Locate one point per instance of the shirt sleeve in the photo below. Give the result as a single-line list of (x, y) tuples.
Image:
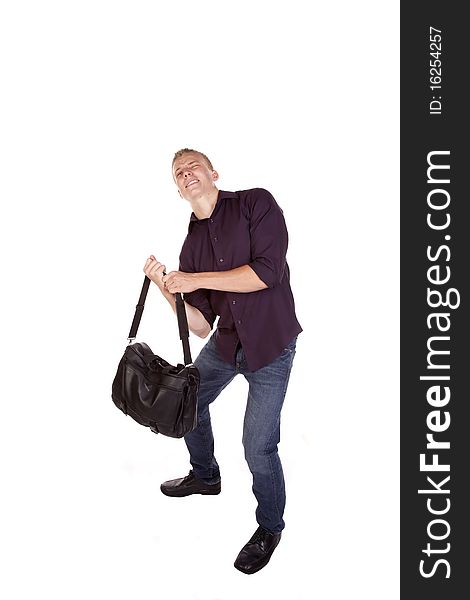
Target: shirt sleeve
[(269, 238), (199, 298)]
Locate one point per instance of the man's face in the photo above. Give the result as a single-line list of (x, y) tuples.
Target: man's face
[(193, 177)]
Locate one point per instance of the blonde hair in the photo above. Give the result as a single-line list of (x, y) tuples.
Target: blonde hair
[(184, 151)]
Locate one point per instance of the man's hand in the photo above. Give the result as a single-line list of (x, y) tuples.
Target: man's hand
[(154, 271), (177, 281)]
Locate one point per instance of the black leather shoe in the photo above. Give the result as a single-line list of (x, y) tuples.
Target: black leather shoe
[(189, 485), (256, 553)]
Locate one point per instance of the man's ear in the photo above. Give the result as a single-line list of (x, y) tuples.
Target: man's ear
[(215, 176)]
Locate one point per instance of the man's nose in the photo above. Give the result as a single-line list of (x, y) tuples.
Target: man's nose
[(187, 172)]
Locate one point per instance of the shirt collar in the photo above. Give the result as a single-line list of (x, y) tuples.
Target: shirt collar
[(222, 195)]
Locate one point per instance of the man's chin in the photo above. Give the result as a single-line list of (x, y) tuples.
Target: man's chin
[(193, 193)]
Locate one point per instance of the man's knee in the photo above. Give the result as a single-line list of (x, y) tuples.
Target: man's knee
[(257, 454)]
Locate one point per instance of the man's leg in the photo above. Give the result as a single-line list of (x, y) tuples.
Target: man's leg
[(205, 476), (215, 376), (261, 434)]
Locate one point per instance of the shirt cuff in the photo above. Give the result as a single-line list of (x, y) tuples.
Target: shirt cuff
[(266, 273), (199, 301)]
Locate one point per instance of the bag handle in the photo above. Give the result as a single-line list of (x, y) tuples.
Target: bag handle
[(180, 315)]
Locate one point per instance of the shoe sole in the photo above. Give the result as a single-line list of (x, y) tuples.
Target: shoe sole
[(180, 494), (255, 569)]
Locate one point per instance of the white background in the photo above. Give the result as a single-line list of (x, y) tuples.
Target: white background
[(298, 97)]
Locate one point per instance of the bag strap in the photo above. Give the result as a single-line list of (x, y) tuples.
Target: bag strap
[(183, 328), (139, 309), (180, 315)]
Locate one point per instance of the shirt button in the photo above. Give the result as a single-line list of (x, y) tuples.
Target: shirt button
[(215, 239), (238, 322), (221, 260), (234, 301), (211, 220)]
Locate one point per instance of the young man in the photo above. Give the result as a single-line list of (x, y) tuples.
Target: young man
[(233, 265)]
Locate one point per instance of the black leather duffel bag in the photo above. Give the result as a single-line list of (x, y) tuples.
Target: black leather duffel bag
[(150, 390)]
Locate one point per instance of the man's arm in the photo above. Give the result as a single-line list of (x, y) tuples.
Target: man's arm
[(196, 320), (242, 279)]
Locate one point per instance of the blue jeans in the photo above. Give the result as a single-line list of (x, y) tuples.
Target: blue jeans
[(261, 428)]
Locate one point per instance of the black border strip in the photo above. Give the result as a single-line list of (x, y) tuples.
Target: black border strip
[(435, 251)]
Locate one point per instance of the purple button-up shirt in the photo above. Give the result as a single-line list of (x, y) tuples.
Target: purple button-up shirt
[(245, 228)]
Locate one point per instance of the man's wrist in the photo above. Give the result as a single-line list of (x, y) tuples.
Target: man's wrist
[(196, 281)]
